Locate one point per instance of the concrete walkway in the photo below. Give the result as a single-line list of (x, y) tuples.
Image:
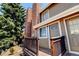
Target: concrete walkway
[(44, 52)]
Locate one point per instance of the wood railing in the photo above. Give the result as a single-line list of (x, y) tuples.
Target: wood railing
[(31, 46), (58, 46)]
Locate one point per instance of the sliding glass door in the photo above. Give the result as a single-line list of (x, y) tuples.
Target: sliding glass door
[(73, 33)]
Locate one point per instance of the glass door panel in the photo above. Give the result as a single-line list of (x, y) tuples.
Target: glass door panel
[(73, 33)]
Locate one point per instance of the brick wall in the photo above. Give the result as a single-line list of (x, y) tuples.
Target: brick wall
[(28, 23), (32, 18), (35, 17)]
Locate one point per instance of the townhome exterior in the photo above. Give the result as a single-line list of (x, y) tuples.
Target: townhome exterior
[(56, 20)]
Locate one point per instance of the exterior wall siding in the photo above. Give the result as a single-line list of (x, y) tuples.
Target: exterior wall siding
[(44, 43), (58, 8)]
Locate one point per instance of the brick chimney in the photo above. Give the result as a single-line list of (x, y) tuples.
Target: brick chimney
[(28, 22), (32, 18), (35, 17), (36, 9)]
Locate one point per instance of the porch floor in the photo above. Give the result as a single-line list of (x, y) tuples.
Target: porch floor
[(44, 52), (47, 52), (70, 54)]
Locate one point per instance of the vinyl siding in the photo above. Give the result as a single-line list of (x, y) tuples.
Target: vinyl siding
[(44, 43), (58, 8)]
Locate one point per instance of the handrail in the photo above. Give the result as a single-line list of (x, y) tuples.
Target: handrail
[(56, 38), (31, 38)]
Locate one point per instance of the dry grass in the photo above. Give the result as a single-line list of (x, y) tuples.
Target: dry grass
[(17, 51)]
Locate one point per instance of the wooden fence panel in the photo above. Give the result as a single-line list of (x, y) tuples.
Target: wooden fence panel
[(32, 45)]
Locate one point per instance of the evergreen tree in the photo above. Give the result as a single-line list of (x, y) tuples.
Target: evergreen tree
[(11, 22), (6, 32)]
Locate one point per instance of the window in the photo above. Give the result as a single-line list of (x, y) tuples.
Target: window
[(54, 30), (74, 26), (44, 16), (43, 32)]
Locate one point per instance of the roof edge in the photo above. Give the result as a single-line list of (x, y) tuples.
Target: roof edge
[(47, 7)]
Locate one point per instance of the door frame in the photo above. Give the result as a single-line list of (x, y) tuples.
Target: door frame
[(65, 25)]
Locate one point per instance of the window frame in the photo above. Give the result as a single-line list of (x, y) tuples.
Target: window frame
[(39, 34), (59, 26), (43, 15)]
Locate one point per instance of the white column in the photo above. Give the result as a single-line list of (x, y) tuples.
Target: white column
[(48, 35), (60, 30)]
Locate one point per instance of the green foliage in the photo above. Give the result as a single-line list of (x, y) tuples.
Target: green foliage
[(11, 23), (6, 25)]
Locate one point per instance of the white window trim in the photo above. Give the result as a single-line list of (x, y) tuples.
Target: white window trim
[(48, 13), (43, 15), (60, 30), (59, 26), (48, 36), (39, 33)]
